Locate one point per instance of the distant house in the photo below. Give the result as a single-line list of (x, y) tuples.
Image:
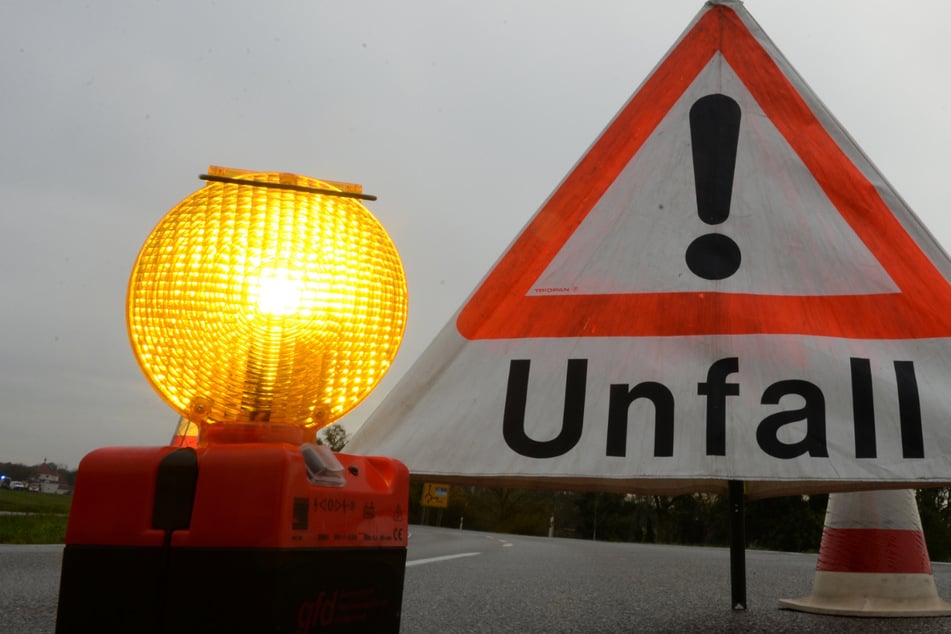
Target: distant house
[(46, 479)]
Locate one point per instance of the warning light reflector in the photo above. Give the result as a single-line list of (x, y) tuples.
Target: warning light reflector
[(258, 304)]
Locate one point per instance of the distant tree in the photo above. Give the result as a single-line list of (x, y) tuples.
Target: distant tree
[(934, 507), (521, 511), (67, 475), (16, 471), (792, 523), (334, 437), (564, 509), (604, 516), (662, 507)]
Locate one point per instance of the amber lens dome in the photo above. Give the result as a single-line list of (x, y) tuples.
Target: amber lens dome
[(256, 304)]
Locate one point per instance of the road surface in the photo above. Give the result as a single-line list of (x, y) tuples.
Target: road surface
[(464, 581)]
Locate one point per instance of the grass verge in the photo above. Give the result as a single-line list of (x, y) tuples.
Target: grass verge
[(33, 529), (43, 521), (27, 502)]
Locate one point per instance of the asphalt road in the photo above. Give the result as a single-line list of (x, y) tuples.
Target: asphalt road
[(534, 584), (29, 586), (464, 581)]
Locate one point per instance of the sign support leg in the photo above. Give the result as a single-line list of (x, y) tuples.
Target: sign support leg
[(737, 545)]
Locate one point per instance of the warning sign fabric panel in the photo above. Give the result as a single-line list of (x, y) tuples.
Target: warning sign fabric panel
[(722, 288)]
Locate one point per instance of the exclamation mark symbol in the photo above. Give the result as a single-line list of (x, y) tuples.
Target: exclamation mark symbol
[(714, 131)]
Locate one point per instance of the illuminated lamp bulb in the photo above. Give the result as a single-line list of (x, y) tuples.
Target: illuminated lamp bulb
[(265, 306)]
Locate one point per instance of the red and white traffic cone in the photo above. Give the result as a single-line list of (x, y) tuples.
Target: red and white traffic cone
[(873, 560)]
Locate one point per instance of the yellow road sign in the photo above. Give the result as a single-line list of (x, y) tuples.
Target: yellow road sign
[(435, 495)]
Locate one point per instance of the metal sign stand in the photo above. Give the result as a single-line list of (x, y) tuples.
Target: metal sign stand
[(737, 545)]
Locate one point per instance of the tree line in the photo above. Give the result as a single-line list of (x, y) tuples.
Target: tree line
[(791, 524)]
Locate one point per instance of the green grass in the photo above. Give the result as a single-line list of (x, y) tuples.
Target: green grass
[(27, 502), (32, 529), (45, 522)]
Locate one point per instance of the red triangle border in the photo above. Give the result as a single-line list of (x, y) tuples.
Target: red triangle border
[(501, 309)]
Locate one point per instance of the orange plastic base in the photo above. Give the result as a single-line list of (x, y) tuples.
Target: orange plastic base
[(233, 537)]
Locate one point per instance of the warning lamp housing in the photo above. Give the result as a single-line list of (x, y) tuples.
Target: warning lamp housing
[(261, 308), (266, 306)]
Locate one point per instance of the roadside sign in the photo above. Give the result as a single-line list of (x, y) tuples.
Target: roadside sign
[(435, 495), (723, 287)]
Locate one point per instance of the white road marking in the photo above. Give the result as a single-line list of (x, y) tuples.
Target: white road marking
[(429, 560)]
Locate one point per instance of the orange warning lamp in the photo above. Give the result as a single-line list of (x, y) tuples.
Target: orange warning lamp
[(262, 308), (265, 306)]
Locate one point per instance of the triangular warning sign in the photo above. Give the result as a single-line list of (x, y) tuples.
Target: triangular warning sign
[(723, 288), (722, 199)]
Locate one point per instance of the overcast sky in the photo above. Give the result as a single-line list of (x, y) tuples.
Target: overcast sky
[(461, 116)]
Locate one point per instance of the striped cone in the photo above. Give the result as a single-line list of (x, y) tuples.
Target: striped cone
[(873, 560)]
